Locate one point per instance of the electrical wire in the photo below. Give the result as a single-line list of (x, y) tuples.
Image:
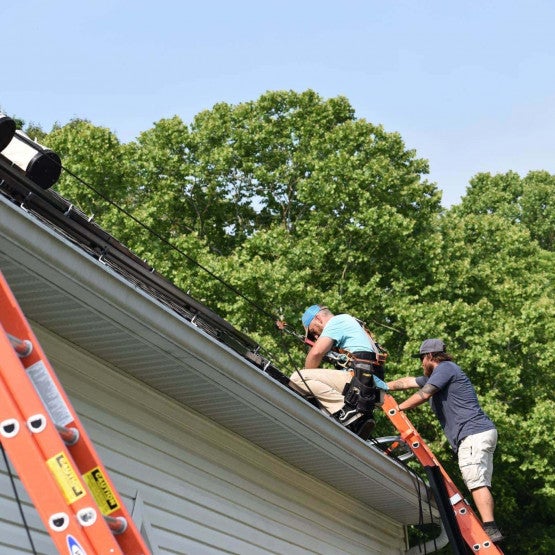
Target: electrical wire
[(232, 288), (226, 284), (417, 482)]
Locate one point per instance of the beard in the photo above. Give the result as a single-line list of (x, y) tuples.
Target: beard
[(428, 368)]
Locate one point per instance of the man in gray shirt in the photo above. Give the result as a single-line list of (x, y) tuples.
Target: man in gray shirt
[(470, 432)]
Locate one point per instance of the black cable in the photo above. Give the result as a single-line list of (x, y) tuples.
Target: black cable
[(232, 288), (172, 246), (18, 499), (417, 485)]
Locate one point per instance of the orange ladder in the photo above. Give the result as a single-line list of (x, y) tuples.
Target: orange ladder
[(50, 450), (469, 525)]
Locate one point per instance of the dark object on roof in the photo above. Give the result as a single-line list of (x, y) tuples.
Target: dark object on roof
[(40, 164), (7, 130)]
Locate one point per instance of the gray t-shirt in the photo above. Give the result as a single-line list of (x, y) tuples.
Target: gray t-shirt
[(456, 403)]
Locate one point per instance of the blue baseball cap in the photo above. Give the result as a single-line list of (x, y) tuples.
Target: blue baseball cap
[(309, 314)]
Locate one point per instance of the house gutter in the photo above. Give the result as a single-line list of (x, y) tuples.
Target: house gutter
[(431, 546)]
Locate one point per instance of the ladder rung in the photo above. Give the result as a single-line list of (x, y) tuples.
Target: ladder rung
[(69, 435), (117, 524), (23, 347)]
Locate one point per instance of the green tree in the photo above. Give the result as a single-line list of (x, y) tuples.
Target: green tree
[(290, 200), (529, 201), (497, 317)]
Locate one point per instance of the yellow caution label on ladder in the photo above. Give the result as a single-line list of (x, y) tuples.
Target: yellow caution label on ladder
[(103, 494), (67, 478)]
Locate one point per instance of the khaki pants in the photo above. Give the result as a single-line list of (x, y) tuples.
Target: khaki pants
[(326, 385)]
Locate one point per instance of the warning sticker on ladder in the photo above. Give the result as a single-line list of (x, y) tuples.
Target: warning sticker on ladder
[(67, 478), (48, 392), (103, 495)]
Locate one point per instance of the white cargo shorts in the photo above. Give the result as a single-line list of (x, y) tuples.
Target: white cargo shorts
[(476, 458)]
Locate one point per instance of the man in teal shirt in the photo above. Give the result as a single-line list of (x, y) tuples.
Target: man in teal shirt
[(342, 332)]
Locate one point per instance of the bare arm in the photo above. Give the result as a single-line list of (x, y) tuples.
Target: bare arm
[(321, 346), (402, 383), (419, 397)]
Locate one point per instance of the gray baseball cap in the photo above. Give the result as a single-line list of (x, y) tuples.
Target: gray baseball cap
[(431, 346)]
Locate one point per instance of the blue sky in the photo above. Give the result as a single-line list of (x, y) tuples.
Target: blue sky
[(469, 85)]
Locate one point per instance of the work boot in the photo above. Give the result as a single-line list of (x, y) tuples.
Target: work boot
[(347, 415), (493, 532), (363, 428)]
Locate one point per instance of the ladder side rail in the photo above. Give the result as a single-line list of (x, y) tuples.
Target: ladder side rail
[(107, 496), (94, 471), (49, 498), (83, 453), (458, 544), (469, 523)]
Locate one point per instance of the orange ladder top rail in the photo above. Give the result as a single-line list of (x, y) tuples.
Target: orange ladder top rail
[(469, 524), (51, 451)]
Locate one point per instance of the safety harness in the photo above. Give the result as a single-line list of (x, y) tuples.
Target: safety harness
[(363, 392)]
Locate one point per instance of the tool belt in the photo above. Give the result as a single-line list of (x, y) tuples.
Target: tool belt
[(361, 392), (363, 397), (368, 361)]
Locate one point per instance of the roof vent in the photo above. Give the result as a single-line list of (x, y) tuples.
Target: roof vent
[(7, 130), (38, 163)]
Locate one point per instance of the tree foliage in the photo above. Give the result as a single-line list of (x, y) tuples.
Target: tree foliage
[(292, 200)]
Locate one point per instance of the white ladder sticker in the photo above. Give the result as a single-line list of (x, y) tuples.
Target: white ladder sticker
[(48, 392)]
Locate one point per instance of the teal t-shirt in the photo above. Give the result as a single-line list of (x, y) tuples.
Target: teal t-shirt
[(347, 334)]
